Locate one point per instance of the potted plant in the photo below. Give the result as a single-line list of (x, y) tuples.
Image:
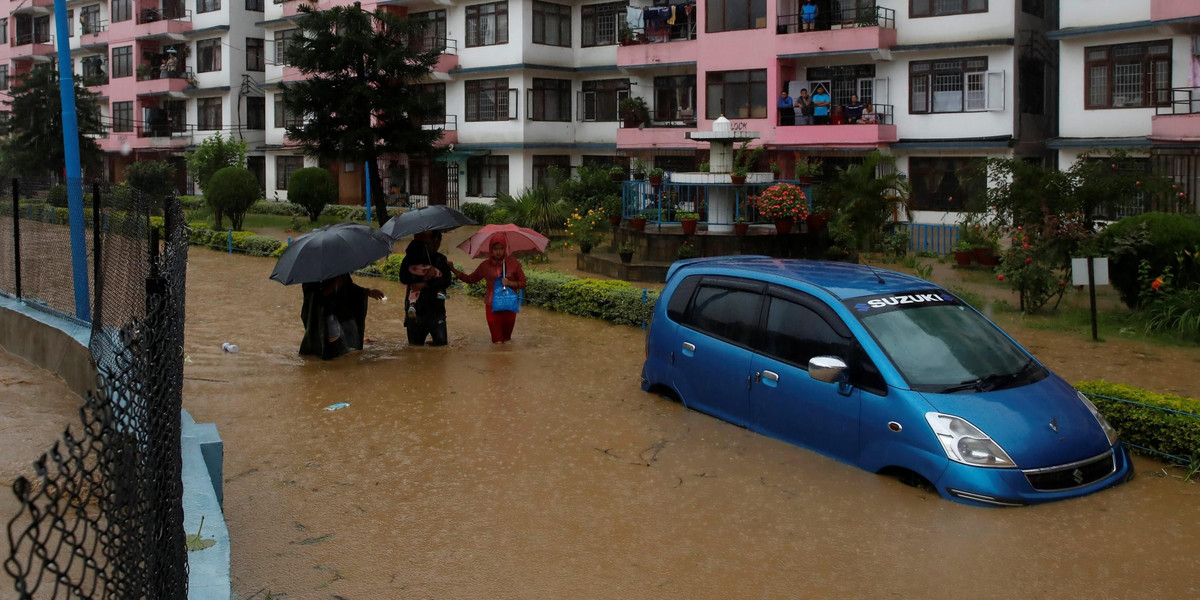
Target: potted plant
[(582, 229), (617, 173), (634, 111), (743, 159), (807, 169), (704, 168), (784, 204), (686, 250), (775, 169), (639, 169), (612, 206), (963, 252), (637, 222), (655, 175), (688, 221), (625, 35), (740, 225), (626, 250)]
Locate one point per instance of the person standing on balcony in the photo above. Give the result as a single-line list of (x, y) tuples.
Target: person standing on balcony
[(820, 105), (868, 116), (171, 64), (804, 108), (854, 109), (787, 112), (808, 16)]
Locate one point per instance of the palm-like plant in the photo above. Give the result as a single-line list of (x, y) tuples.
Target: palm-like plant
[(863, 199), (540, 209)]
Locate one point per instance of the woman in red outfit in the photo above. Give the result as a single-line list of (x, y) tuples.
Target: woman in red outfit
[(490, 270)]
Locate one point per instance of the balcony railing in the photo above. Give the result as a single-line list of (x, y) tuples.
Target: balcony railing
[(441, 44), (446, 123), (662, 203), (883, 116), (854, 16), (25, 39), (150, 73), (93, 26), (669, 117), (169, 127), (1184, 101), (166, 13), (94, 80)]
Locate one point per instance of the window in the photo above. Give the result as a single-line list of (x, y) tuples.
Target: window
[(283, 117), (551, 24), (70, 23), (941, 8), (433, 37), (942, 183), (600, 23), (954, 85), (433, 96), (795, 333), (3, 77), (284, 167), (122, 62), (41, 30), (122, 115), (675, 98), (734, 15), (726, 313), (208, 55), (203, 6), (93, 66), (89, 17), (542, 165), (737, 94), (844, 81), (1128, 76), (599, 99), (254, 5), (282, 39), (120, 10), (256, 112), (1033, 85), (487, 24), (487, 175), (256, 54), (4, 30), (487, 100), (551, 100), (209, 110)]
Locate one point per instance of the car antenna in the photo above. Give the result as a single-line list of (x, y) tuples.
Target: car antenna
[(878, 279)]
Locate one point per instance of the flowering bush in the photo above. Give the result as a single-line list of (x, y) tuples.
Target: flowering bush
[(583, 229), (782, 201)]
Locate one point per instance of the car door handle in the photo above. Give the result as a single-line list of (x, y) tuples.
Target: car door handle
[(770, 376), (690, 347)]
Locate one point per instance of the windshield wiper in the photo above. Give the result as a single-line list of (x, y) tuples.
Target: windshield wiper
[(988, 383)]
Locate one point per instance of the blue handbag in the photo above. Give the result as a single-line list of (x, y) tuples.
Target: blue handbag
[(505, 299)]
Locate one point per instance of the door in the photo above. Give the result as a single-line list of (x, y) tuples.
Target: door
[(788, 404), (712, 348)]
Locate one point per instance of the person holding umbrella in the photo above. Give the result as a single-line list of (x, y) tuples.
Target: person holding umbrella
[(334, 315), (498, 268), (426, 272)]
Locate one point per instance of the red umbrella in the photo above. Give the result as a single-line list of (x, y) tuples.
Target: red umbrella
[(519, 240)]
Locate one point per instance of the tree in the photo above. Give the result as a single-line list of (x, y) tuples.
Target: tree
[(864, 198), (232, 191), (360, 99), (212, 155), (312, 188), (153, 179), (34, 143)]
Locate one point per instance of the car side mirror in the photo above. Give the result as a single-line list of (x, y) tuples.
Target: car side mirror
[(829, 369)]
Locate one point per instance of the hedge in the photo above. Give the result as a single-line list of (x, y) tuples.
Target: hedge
[(1145, 425), (243, 241), (611, 300)]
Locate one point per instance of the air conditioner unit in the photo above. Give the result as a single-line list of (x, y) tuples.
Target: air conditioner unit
[(881, 54)]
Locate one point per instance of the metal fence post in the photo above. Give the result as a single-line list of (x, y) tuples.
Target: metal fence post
[(97, 270), (16, 199), (231, 241)]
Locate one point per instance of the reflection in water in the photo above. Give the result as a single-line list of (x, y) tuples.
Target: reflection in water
[(540, 470)]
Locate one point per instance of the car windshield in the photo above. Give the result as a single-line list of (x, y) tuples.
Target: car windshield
[(949, 348)]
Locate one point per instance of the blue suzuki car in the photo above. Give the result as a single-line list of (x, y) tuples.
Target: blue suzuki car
[(881, 370)]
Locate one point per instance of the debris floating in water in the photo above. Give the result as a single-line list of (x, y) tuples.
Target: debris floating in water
[(338, 406)]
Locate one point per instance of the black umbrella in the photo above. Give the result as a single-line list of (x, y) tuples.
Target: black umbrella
[(331, 251), (430, 218)]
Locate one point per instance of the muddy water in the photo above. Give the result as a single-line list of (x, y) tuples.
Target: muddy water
[(540, 470)]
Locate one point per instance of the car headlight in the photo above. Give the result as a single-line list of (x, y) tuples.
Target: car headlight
[(1108, 430), (965, 443)]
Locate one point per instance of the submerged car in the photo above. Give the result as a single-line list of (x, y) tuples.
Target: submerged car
[(880, 370)]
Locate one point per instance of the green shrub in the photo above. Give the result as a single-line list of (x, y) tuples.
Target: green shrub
[(611, 300), (1177, 311), (1169, 432), (283, 209), (477, 211), (153, 179), (1154, 237), (312, 188), (231, 191), (346, 212), (243, 241), (191, 202), (57, 196)]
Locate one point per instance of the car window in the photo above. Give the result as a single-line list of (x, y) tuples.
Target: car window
[(680, 298), (795, 333), (726, 313)]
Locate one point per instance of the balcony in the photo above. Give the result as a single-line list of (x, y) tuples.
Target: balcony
[(155, 81), (857, 135), (93, 32), (35, 8), (1179, 121), (863, 29), (1167, 10), (171, 24), (38, 47), (659, 54), (448, 125)]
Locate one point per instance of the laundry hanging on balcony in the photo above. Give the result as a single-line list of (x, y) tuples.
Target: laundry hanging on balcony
[(664, 23)]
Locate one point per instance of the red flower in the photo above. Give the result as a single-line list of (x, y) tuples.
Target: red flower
[(1137, 183), (1024, 246), (1157, 283), (1028, 260), (1000, 277), (1061, 283)]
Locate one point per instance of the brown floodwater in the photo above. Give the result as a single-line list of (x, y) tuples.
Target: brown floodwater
[(539, 469)]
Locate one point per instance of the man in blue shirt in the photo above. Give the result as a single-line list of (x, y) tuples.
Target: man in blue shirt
[(820, 105), (808, 16), (787, 112)]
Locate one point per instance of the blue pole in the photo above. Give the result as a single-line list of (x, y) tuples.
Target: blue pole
[(367, 165), (231, 241), (74, 173)]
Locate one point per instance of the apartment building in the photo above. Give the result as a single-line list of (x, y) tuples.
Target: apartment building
[(1130, 77), (169, 72)]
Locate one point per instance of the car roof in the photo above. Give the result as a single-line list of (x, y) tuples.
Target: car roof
[(843, 280)]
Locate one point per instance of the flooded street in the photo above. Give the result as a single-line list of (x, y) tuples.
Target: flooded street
[(540, 470)]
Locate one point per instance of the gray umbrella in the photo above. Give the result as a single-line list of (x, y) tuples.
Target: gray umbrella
[(430, 218), (331, 251)]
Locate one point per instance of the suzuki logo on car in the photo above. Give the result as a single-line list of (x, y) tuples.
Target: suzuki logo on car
[(906, 299), (1077, 476), (1054, 424)]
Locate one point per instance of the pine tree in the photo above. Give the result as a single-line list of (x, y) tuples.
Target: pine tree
[(34, 136)]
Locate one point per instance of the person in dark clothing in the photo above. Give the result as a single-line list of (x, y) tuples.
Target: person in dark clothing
[(428, 320), (787, 111), (334, 314)]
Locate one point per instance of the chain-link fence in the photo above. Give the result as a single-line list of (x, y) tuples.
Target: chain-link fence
[(103, 517)]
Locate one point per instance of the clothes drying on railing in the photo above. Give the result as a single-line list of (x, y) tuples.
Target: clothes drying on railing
[(664, 22)]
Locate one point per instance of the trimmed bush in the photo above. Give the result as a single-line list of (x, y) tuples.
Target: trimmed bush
[(153, 179), (243, 241), (283, 209), (1153, 237), (346, 212), (231, 191), (477, 211), (312, 188), (57, 196), (1163, 431), (611, 300)]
